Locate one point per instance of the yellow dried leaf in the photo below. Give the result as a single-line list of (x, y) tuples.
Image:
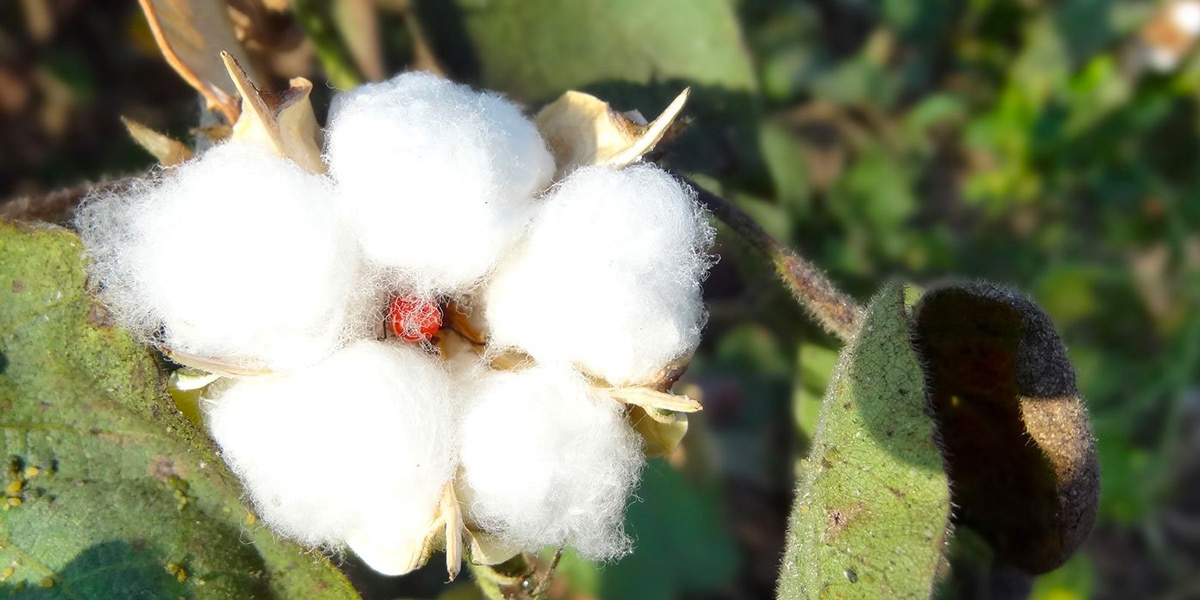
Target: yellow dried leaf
[(487, 549), (167, 150), (450, 516), (661, 430), (582, 130), (654, 399), (284, 123)]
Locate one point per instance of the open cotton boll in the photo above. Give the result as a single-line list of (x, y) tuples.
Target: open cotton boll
[(356, 449), (437, 179), (609, 277), (235, 255), (546, 460)]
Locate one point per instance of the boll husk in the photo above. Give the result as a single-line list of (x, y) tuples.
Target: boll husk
[(609, 276), (436, 179), (355, 451), (236, 255), (546, 460)]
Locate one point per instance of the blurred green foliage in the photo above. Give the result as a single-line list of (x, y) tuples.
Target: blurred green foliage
[(1010, 140)]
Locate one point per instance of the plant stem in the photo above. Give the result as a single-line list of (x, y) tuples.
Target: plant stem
[(543, 586), (331, 50), (834, 310)]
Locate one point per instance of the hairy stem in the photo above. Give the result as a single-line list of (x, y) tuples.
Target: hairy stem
[(314, 18), (835, 311)]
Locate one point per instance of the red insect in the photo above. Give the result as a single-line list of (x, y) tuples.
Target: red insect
[(413, 319)]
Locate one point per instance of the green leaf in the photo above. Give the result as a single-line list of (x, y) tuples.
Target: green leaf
[(873, 505), (680, 546), (120, 495), (539, 49), (635, 55), (1015, 431)]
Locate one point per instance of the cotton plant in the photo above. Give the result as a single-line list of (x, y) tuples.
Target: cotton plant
[(412, 298)]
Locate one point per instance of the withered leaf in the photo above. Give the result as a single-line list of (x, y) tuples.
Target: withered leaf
[(167, 150), (1015, 432), (583, 130)]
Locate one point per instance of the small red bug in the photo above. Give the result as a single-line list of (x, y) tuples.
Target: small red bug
[(413, 319)]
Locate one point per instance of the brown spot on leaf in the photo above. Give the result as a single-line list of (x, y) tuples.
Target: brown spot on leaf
[(99, 317), (163, 468), (18, 286), (839, 518)]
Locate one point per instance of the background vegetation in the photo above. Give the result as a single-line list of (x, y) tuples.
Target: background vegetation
[(1015, 141)]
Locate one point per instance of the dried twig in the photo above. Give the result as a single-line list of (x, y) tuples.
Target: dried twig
[(543, 585)]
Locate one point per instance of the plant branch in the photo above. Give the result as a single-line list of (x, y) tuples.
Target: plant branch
[(331, 50), (838, 313), (543, 586)]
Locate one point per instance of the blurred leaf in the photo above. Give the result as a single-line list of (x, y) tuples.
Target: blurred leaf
[(873, 506), (816, 366), (1068, 292), (537, 49), (1014, 429), (753, 348), (1073, 581), (784, 159), (630, 53), (126, 489), (680, 544)]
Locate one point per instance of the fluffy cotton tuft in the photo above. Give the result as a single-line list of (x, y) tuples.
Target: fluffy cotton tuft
[(436, 179), (547, 460), (357, 449), (609, 277), (235, 255)]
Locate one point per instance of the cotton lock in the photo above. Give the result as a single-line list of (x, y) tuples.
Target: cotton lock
[(436, 179), (356, 450), (608, 277), (576, 460), (236, 255)]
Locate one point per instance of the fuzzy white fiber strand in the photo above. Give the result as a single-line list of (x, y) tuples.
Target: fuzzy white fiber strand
[(235, 255), (355, 450), (437, 179), (546, 460), (609, 277)]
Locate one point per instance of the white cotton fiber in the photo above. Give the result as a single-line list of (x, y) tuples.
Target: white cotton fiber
[(357, 449), (437, 179), (547, 460), (235, 255), (609, 277)]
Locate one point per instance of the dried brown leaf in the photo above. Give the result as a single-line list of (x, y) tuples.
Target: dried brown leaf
[(285, 123), (582, 130), (653, 399), (191, 35), (167, 150), (661, 430)]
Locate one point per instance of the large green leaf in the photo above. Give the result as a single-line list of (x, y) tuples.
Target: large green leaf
[(537, 49), (111, 492), (873, 504), (633, 54)]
